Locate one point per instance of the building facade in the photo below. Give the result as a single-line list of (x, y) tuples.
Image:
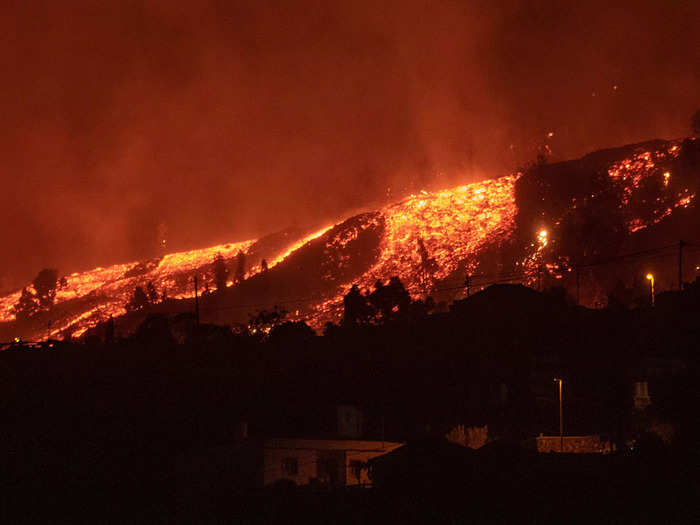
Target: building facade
[(336, 462)]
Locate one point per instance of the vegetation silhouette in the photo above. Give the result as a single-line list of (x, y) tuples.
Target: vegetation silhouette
[(151, 292), (45, 284), (27, 306), (139, 300), (264, 321), (239, 275), (41, 299), (220, 272)]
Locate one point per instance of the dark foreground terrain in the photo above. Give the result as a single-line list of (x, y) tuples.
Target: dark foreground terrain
[(658, 489), (92, 431)]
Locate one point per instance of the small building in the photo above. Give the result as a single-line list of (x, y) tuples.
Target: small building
[(591, 444), (653, 378), (336, 462), (334, 452), (255, 462), (329, 451)]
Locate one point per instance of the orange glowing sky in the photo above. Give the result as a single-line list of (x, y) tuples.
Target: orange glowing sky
[(126, 123)]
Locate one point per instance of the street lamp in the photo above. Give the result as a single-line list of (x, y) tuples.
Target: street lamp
[(650, 277), (561, 416)]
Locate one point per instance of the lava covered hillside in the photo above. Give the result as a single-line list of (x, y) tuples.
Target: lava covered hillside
[(540, 227)]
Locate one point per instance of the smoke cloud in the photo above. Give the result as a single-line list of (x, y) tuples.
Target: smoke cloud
[(126, 123)]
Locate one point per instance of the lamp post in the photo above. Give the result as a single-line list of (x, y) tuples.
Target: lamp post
[(650, 277), (561, 415)]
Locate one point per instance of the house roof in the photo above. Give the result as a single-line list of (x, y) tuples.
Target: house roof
[(355, 445)]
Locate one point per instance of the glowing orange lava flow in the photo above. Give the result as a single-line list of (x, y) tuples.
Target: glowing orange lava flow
[(104, 291), (427, 240), (630, 173), (450, 225), (294, 247)]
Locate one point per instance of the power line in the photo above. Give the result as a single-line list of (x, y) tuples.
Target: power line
[(625, 256), (481, 280), (457, 285)]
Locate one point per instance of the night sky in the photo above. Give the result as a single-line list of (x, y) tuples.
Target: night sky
[(206, 122)]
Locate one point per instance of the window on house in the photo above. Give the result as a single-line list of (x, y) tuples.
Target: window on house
[(290, 466)]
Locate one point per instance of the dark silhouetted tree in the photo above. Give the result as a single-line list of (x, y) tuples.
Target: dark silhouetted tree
[(263, 265), (379, 300), (45, 285), (389, 300), (240, 268), (420, 309), (400, 298), (220, 272), (428, 265), (291, 333), (27, 306), (41, 299), (264, 321), (151, 292), (357, 310), (139, 300)]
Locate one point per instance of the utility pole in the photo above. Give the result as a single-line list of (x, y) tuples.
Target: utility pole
[(561, 416), (680, 265), (467, 283), (196, 302), (539, 277)]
